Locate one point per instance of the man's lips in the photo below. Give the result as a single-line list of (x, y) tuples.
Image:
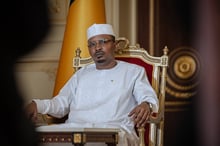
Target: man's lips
[(99, 54)]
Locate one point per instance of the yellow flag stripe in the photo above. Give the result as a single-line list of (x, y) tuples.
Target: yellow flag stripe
[(82, 14)]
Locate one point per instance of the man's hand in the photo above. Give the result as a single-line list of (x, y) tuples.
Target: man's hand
[(140, 114), (31, 111)]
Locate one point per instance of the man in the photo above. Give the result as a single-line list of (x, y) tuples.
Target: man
[(108, 93)]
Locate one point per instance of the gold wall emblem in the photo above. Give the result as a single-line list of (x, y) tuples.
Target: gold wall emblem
[(183, 72)]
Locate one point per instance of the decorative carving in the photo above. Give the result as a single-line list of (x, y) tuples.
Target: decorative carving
[(121, 44), (77, 137), (184, 67)]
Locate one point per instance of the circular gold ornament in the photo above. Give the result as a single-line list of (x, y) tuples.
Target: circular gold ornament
[(182, 76), (184, 67)]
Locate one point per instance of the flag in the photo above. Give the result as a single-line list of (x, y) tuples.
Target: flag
[(82, 14)]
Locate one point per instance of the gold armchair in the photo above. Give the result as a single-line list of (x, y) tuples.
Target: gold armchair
[(156, 68)]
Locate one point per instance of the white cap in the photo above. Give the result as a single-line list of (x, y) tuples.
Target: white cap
[(97, 29)]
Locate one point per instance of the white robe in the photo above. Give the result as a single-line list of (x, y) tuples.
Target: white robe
[(103, 98)]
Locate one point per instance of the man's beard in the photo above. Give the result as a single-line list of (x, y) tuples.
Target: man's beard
[(100, 61)]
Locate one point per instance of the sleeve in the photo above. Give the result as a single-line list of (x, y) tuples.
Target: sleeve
[(58, 106), (143, 91)]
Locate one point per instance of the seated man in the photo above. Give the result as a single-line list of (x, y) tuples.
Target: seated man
[(109, 93)]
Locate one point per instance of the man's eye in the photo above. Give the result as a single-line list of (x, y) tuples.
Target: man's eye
[(92, 44), (102, 42)]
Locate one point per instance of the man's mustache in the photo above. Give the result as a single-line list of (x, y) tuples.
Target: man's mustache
[(99, 53)]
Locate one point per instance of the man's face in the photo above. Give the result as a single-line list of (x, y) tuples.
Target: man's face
[(101, 49)]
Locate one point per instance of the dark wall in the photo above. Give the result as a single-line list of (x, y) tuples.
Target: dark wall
[(174, 28)]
